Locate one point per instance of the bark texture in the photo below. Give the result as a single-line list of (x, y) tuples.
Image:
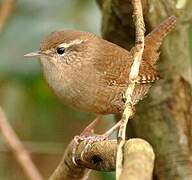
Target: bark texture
[(101, 156), (164, 118)]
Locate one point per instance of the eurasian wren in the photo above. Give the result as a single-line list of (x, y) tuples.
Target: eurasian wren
[(92, 74)]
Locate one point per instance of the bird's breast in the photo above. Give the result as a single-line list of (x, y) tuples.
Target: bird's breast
[(81, 87)]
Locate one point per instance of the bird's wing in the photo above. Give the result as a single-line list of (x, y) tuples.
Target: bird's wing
[(116, 62), (114, 67)]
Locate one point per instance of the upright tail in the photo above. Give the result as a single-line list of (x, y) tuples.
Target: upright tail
[(154, 39)]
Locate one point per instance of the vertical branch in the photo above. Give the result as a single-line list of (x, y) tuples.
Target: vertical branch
[(17, 148), (5, 10), (137, 56)]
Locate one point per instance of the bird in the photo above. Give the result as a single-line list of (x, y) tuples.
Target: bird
[(91, 74)]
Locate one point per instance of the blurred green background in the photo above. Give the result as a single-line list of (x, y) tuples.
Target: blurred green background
[(42, 122)]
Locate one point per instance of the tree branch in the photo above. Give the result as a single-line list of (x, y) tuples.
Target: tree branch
[(18, 150), (101, 156), (5, 11)]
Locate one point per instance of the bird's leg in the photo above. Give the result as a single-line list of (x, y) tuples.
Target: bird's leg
[(111, 130), (85, 135), (97, 137), (89, 137)]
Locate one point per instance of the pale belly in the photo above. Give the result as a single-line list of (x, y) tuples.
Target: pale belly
[(89, 97)]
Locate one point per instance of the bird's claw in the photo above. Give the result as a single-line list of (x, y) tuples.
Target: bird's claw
[(89, 137), (84, 136), (88, 141)]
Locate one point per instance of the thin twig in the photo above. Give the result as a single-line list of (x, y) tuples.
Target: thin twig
[(5, 11), (137, 57), (17, 148)]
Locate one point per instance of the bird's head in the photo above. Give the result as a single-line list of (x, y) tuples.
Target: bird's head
[(63, 47)]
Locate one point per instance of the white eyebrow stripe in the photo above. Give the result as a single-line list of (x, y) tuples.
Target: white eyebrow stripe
[(76, 41)]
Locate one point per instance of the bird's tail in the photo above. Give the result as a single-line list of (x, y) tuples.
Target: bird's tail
[(154, 39)]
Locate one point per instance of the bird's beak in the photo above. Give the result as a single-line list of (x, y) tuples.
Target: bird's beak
[(33, 54)]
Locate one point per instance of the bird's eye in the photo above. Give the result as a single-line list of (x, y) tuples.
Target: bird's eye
[(60, 50)]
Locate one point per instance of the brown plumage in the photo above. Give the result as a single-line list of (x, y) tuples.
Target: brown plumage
[(92, 74)]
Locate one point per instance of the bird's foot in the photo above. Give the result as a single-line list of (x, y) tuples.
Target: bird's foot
[(88, 140), (89, 137)]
